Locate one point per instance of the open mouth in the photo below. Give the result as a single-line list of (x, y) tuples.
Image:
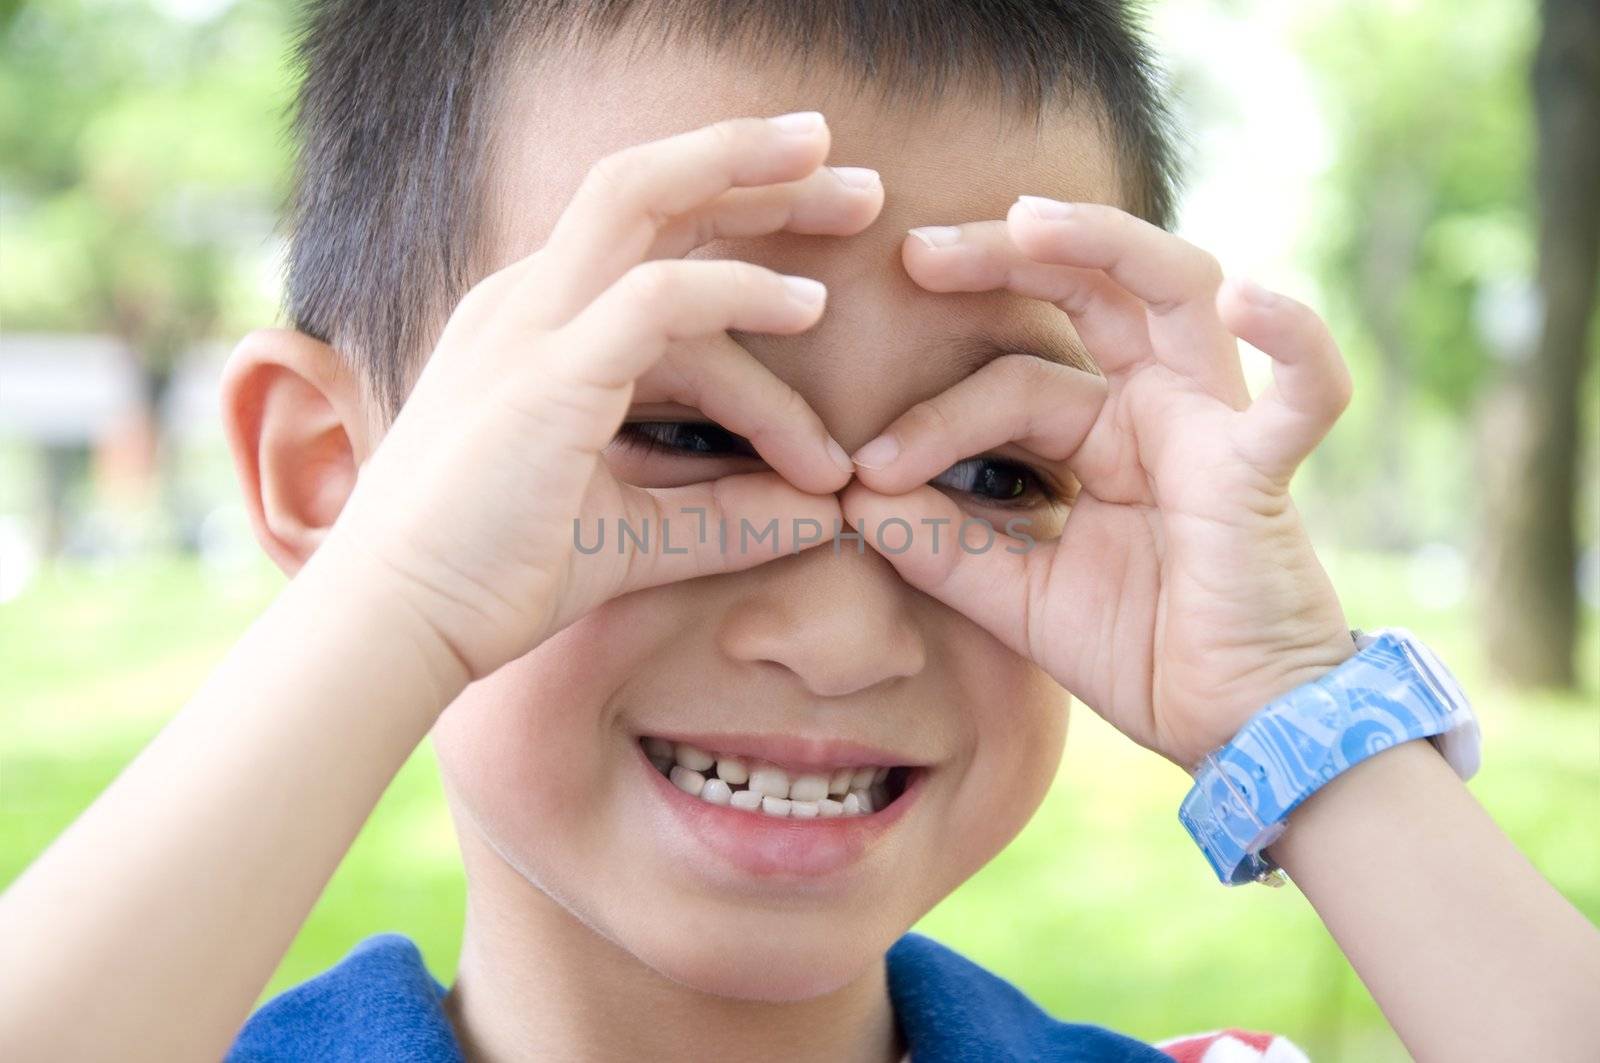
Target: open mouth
[(766, 789)]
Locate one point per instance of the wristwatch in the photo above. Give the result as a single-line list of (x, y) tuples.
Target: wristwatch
[(1394, 689)]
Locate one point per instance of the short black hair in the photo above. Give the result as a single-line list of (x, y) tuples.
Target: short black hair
[(397, 99)]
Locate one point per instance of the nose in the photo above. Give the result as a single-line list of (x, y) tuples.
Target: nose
[(841, 622)]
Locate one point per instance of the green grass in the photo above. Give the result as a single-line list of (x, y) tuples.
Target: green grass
[(1101, 910)]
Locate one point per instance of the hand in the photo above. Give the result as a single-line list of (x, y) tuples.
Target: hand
[(468, 505), (1183, 592)]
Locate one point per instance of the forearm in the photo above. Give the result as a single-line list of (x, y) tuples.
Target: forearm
[(1468, 950), (151, 925)]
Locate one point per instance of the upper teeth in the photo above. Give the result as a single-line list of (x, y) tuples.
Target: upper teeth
[(723, 779)]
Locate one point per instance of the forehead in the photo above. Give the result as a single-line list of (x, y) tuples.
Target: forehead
[(883, 343)]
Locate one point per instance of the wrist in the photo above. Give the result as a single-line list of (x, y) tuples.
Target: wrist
[(343, 577), (1392, 690), (1377, 791), (1287, 673)]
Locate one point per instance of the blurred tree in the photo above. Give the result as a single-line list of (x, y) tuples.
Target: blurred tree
[(1535, 416), (1429, 256), (1426, 202), (141, 165)]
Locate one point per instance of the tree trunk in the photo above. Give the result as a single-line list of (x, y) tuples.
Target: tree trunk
[(1530, 611), (1400, 211)]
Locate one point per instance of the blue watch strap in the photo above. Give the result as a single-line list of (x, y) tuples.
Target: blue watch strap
[(1391, 691)]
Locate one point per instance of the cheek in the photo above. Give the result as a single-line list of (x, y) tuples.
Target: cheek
[(1019, 716), (529, 752)]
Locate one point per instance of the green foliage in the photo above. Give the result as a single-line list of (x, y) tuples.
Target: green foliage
[(1429, 106), (141, 165)]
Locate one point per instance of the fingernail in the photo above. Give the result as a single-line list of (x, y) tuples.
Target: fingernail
[(798, 122), (1253, 292), (1046, 209), (856, 176), (805, 291), (840, 458), (935, 236), (878, 453)]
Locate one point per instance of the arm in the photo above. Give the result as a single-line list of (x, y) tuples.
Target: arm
[(1470, 953), (1183, 594), (163, 910)]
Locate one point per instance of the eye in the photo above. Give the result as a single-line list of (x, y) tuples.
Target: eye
[(690, 438), (998, 481)]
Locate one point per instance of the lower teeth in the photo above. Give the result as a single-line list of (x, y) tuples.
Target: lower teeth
[(705, 781)]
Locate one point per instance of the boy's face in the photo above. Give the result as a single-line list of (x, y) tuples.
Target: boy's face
[(543, 758)]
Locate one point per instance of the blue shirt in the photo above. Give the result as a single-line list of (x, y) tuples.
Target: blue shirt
[(380, 1003)]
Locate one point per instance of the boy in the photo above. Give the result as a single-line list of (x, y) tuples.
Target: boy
[(704, 786)]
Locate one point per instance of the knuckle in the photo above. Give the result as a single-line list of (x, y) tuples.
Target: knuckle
[(928, 416), (1302, 317), (506, 278), (476, 299), (1104, 213), (1344, 386), (652, 285), (727, 135), (1207, 270), (482, 302), (726, 272), (1018, 372), (1319, 338), (719, 506), (745, 281), (611, 178), (793, 407), (703, 226), (785, 413)]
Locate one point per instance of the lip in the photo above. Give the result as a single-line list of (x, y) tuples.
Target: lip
[(796, 751), (767, 847)]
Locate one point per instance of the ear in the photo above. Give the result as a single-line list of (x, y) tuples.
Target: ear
[(298, 428)]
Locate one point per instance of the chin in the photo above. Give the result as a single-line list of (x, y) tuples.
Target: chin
[(781, 964)]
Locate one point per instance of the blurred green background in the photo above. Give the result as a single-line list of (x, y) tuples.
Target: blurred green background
[(1383, 161)]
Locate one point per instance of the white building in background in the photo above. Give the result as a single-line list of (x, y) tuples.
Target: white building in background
[(77, 477)]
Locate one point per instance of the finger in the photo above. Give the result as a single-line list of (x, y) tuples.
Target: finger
[(1045, 407), (1176, 280), (628, 197), (627, 329), (981, 256), (968, 563), (724, 381), (723, 525), (1311, 384), (829, 201)]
